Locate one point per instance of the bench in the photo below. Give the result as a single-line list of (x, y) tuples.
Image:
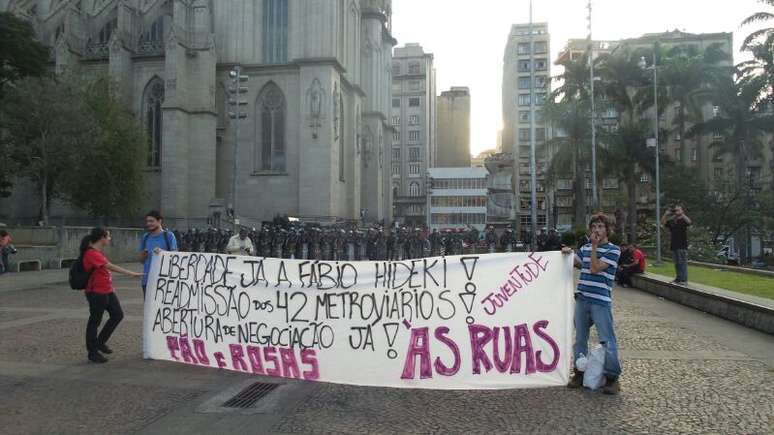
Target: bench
[(30, 265)]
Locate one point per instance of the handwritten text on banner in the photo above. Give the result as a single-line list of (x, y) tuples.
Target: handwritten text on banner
[(462, 322)]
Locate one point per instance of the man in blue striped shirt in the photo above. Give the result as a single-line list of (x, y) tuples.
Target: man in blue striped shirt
[(598, 261)]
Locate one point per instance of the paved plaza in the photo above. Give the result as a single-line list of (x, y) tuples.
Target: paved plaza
[(684, 372)]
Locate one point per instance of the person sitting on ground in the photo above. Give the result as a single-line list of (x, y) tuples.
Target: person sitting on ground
[(632, 262), (240, 244)]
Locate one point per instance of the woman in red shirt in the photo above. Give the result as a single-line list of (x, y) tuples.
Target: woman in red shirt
[(100, 293)]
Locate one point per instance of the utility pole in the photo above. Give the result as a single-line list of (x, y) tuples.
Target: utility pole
[(594, 194), (532, 164), (235, 91)]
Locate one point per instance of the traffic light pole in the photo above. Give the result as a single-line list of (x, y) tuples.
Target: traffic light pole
[(236, 90)]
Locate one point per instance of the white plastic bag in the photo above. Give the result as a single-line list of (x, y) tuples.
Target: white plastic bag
[(593, 376), (581, 363)]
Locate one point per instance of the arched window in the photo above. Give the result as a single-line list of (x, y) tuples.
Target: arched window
[(107, 31), (153, 99), (414, 189), (269, 152), (152, 39), (275, 31)]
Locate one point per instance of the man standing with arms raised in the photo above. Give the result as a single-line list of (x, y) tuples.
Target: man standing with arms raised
[(598, 261), (678, 222), (157, 238)]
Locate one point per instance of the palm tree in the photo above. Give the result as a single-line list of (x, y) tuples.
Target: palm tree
[(574, 80), (685, 73), (759, 17), (741, 125), (624, 154), (626, 158), (762, 64), (572, 127), (623, 81)]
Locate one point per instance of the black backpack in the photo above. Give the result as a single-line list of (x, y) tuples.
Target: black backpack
[(79, 278)]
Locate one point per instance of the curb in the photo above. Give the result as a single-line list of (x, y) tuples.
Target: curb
[(737, 310)]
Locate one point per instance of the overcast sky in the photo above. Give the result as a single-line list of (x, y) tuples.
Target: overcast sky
[(467, 37)]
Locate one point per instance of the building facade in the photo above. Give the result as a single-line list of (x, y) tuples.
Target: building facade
[(413, 117), (527, 51), (317, 99), (458, 198), (453, 129)]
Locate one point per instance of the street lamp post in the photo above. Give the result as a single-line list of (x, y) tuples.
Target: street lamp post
[(594, 193), (532, 163), (644, 65)]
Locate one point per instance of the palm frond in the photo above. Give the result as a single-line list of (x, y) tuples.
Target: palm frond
[(758, 17), (752, 37)]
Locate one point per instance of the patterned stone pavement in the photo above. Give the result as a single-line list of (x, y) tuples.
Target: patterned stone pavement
[(684, 372)]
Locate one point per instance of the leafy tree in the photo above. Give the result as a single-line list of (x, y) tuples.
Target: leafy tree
[(624, 154), (574, 80), (45, 125), (685, 73), (741, 128), (75, 141), (570, 120), (108, 178), (626, 157), (761, 65), (759, 17), (21, 54)]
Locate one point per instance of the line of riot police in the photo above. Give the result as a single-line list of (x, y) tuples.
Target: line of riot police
[(347, 242)]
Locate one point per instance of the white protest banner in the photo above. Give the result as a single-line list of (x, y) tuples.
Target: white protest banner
[(462, 322)]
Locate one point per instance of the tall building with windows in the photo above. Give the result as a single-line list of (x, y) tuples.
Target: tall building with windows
[(522, 46), (453, 129), (458, 198), (317, 100), (413, 118)]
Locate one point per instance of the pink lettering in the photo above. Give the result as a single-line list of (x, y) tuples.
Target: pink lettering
[(173, 347), (479, 337), (270, 357), (419, 345), (237, 357), (254, 355), (200, 351), (185, 351), (440, 367), (502, 365), (289, 363), (523, 344), (539, 331), (220, 359), (537, 261), (309, 357)]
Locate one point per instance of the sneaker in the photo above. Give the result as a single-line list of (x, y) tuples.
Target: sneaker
[(576, 381), (104, 349), (612, 387), (97, 357)]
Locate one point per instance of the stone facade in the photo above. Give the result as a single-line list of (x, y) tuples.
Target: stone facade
[(453, 129), (318, 94)]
